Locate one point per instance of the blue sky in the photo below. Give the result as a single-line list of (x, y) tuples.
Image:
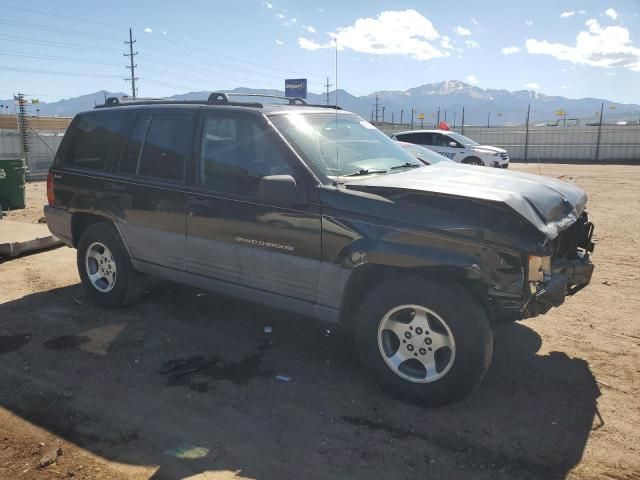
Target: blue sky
[(570, 48)]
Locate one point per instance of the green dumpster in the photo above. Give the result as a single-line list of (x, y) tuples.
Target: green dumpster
[(12, 184)]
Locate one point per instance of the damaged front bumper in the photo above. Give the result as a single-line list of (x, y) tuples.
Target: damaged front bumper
[(568, 278)]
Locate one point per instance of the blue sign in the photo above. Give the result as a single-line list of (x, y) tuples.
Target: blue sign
[(296, 87)]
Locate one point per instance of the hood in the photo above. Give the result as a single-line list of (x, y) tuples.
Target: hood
[(550, 205), (487, 148)]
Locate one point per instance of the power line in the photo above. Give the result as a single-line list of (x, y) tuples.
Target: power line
[(53, 72), (47, 28), (40, 12), (35, 41), (131, 66), (9, 53)]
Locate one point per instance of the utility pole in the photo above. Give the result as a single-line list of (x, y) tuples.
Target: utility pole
[(445, 115), (599, 131), (131, 65), (377, 106), (462, 120), (383, 109), (438, 122), (328, 85), (488, 120), (392, 122), (412, 110), (401, 113), (371, 115), (526, 135), (454, 119)]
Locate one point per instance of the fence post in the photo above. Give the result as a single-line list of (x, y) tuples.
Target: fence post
[(599, 132), (526, 135)]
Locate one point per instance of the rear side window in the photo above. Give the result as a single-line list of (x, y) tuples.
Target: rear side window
[(95, 136), (158, 146)]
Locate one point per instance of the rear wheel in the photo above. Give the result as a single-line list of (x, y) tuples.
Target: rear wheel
[(105, 267), (425, 342)]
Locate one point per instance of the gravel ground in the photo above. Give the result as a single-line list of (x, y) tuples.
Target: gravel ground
[(112, 388)]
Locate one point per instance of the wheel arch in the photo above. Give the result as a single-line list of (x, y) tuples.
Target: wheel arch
[(365, 277), (80, 221)]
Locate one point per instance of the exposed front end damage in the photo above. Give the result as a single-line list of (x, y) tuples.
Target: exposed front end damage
[(569, 270)]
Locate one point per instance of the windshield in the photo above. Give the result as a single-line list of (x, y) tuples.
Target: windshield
[(467, 142), (342, 145), (424, 154)]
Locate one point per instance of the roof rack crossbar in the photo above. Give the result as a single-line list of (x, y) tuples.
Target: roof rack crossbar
[(291, 100)]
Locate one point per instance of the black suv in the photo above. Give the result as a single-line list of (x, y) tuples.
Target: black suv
[(315, 211)]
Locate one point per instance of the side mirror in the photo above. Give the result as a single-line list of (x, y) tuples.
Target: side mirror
[(280, 190), (453, 144)]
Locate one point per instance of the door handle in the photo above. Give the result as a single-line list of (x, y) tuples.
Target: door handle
[(114, 187)]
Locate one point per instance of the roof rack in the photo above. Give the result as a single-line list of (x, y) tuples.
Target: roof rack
[(216, 98)]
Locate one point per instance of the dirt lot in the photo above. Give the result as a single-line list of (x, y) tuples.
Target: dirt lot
[(561, 399)]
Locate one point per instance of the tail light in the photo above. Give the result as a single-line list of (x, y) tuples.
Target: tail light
[(50, 195)]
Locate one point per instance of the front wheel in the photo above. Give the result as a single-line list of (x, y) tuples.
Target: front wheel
[(472, 161), (425, 342)]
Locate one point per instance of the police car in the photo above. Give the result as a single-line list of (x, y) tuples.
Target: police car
[(456, 147)]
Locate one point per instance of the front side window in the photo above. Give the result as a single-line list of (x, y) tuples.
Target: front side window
[(342, 145), (94, 138), (235, 153), (465, 141)]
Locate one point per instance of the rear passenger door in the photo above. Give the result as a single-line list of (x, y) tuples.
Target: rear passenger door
[(233, 236), (148, 185)]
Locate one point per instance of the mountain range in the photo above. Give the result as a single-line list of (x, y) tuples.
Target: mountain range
[(499, 107)]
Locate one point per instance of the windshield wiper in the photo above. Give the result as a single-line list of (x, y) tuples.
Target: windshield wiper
[(407, 165), (364, 172)]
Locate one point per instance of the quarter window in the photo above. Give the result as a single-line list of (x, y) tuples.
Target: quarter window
[(235, 153), (94, 138)]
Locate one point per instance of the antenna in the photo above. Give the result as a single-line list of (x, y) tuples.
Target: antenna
[(336, 140)]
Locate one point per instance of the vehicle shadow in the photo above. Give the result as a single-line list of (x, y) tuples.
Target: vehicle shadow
[(187, 373)]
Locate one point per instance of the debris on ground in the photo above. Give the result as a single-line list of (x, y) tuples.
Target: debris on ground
[(283, 378), (50, 457)]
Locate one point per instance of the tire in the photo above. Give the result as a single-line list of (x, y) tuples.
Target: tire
[(101, 252), (452, 315), (472, 161)]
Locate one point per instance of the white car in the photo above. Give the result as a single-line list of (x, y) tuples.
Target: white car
[(456, 147)]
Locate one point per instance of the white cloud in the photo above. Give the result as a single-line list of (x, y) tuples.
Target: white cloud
[(532, 86), (581, 12), (472, 80), (568, 14), (309, 28), (404, 32), (319, 10), (528, 23), (164, 32), (267, 5), (308, 44), (474, 21), (510, 50), (445, 42), (280, 15), (599, 47), (611, 13), (279, 42), (471, 44), (463, 32), (148, 30)]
